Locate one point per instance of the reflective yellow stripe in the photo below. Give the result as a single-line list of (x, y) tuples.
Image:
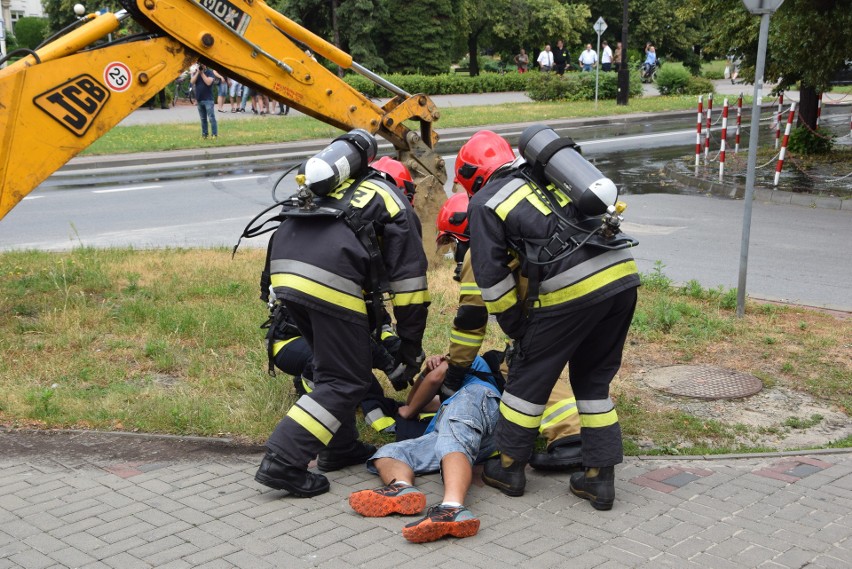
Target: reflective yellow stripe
[(387, 334), (471, 289), (383, 423), (466, 339), (319, 291), (599, 420), (390, 203), (276, 346), (307, 386), (422, 416), (509, 204), (570, 409), (588, 285), (519, 419), (406, 298), (539, 204), (503, 303), (313, 426)]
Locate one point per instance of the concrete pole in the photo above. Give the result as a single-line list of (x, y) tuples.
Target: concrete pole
[(752, 160)]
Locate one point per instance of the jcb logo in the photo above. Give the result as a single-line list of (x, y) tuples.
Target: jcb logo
[(74, 104), (229, 14)]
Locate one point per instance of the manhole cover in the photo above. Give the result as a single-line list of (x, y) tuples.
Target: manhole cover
[(703, 382)]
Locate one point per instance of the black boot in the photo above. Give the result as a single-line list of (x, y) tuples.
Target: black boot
[(560, 457), (335, 459), (297, 481), (510, 480), (597, 485)]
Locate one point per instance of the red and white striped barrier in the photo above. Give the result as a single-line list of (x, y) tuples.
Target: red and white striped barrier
[(724, 139), (819, 111), (709, 123), (698, 129), (739, 122), (784, 143), (778, 118)]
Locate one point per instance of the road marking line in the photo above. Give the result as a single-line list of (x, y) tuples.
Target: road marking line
[(125, 189), (33, 197), (237, 179)]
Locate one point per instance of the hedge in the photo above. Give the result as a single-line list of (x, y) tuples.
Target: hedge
[(539, 86)]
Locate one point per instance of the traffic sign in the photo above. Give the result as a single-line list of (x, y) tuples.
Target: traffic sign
[(600, 26)]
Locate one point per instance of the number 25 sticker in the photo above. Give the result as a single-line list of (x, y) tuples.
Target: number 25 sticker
[(117, 77)]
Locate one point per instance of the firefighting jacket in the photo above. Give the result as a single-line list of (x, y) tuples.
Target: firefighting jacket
[(471, 320), (507, 218), (319, 262)]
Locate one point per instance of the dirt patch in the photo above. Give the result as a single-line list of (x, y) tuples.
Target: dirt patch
[(776, 417)]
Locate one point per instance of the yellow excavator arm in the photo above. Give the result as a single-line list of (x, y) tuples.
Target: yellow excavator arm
[(59, 99)]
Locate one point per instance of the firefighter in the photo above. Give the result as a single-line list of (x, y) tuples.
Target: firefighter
[(329, 268), (560, 425), (556, 219)]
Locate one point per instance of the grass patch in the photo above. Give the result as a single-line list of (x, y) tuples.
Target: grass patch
[(168, 341)]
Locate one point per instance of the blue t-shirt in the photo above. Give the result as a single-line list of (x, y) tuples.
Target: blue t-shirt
[(203, 91), (651, 57), (478, 365)]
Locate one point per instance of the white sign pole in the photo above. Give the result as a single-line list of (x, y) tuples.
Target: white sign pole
[(600, 27)]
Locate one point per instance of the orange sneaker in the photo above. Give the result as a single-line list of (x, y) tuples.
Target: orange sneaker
[(391, 499), (441, 521)]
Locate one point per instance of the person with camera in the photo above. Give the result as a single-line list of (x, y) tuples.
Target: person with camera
[(203, 79)]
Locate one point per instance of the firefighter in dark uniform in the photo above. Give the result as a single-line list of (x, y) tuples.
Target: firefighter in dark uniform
[(561, 58), (557, 218), (353, 237), (289, 351)]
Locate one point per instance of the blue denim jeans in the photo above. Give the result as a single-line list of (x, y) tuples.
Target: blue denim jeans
[(465, 425), (207, 113)]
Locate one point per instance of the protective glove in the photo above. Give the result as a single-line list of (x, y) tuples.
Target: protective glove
[(453, 380), (410, 359)]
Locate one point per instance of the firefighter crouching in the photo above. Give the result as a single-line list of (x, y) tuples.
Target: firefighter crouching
[(557, 216), (560, 424), (324, 255)]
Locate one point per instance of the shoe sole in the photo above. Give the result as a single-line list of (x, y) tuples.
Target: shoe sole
[(596, 504), (504, 488), (373, 505), (432, 531), (277, 484)]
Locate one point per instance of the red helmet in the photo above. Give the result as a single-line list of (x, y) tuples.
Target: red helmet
[(479, 158), (452, 220), (398, 173)]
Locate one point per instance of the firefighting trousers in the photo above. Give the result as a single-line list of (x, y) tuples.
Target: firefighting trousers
[(591, 342), (325, 417)]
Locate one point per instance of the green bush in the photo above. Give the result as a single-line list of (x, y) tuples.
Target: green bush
[(577, 86), (672, 80), (804, 141), (30, 32), (446, 84), (698, 86)]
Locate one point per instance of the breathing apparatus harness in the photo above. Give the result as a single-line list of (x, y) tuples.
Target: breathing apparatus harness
[(306, 204), (601, 232)]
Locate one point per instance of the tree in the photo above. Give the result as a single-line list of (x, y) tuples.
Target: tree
[(30, 32), (808, 42), (417, 38)]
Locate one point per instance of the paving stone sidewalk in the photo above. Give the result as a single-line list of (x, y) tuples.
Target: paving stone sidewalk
[(765, 511)]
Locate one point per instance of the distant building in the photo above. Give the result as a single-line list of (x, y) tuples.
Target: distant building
[(14, 10)]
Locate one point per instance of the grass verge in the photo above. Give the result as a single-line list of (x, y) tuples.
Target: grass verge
[(168, 341)]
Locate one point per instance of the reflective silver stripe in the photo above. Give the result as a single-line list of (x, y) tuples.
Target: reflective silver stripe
[(584, 269), (497, 291), (374, 416), (409, 285), (555, 413), (522, 406), (317, 274), (319, 413), (592, 406), (504, 193)]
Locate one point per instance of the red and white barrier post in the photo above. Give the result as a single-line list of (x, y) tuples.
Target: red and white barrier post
[(739, 121), (784, 143), (819, 111), (698, 130), (778, 118), (724, 139), (709, 123)]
